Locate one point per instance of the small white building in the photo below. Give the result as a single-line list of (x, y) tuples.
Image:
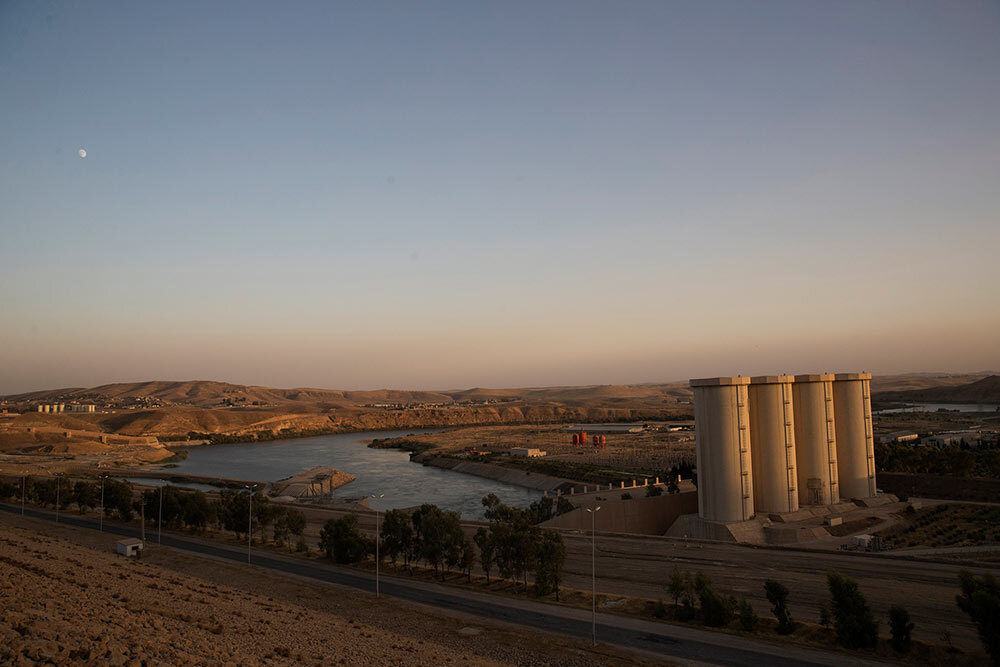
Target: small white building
[(130, 547), (527, 452)]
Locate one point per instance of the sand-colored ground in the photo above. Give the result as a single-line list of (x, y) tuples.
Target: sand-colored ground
[(647, 453), (64, 602)]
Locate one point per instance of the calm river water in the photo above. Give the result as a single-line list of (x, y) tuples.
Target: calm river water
[(387, 471)]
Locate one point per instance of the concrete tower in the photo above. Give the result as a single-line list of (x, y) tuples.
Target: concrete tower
[(725, 479), (855, 444), (815, 439), (772, 432)]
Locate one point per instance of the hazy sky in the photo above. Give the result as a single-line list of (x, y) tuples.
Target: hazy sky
[(439, 195)]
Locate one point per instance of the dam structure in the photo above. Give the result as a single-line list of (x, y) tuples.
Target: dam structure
[(725, 467), (777, 455), (855, 443), (815, 439), (772, 432)]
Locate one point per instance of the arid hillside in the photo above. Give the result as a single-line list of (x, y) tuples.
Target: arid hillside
[(985, 390), (66, 603), (177, 410)]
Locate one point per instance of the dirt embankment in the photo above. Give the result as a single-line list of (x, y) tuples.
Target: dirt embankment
[(64, 602)]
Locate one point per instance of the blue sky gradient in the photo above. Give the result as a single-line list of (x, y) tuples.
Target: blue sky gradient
[(440, 195)]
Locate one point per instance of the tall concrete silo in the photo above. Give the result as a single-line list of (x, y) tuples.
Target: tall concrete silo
[(855, 444), (815, 439), (772, 432), (725, 478)]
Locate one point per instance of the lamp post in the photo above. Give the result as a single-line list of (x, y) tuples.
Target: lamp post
[(593, 572), (101, 515), (58, 476), (249, 519), (374, 497), (23, 487), (159, 518)]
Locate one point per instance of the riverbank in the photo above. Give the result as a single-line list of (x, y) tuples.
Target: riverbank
[(514, 476)]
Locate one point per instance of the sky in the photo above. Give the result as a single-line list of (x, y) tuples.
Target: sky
[(454, 194)]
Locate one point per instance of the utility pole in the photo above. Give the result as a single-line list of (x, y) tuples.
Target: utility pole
[(142, 517), (23, 487), (593, 572), (377, 590)]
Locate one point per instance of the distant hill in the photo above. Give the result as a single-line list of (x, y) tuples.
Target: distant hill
[(985, 390)]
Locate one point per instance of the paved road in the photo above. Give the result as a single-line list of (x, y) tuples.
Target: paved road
[(651, 637)]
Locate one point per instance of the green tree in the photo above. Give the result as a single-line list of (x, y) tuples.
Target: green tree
[(677, 584), (852, 617), (468, 558), (484, 542), (748, 617), (342, 541), (980, 599), (551, 557), (777, 595), (654, 490), (118, 499), (397, 536), (901, 627), (86, 495)]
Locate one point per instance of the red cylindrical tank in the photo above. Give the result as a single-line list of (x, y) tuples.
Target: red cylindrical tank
[(583, 437), (604, 439), (576, 439)]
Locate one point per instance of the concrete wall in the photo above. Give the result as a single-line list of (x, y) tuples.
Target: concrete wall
[(641, 516)]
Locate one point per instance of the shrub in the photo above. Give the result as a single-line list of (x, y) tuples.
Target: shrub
[(980, 599), (748, 617), (659, 609), (342, 540), (777, 595), (626, 496), (654, 490), (852, 617), (901, 627)]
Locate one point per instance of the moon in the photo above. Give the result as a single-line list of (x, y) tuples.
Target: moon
[(82, 153)]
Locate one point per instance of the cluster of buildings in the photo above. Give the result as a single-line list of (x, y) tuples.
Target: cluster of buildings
[(62, 407)]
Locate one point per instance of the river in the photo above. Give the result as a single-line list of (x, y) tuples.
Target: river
[(934, 407), (378, 471)]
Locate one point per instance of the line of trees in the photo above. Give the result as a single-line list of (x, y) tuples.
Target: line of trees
[(84, 495), (513, 544), (952, 459)]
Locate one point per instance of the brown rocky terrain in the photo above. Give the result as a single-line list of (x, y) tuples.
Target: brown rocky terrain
[(68, 603), (985, 390), (176, 410)]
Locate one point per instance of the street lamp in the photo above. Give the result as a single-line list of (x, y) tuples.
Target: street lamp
[(249, 519), (23, 487), (374, 497), (58, 476), (159, 519), (101, 515), (593, 572)]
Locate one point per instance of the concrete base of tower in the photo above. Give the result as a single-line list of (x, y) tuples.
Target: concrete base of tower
[(693, 526)]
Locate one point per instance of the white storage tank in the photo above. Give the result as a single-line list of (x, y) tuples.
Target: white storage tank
[(852, 408), (772, 432), (815, 439), (725, 479)]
